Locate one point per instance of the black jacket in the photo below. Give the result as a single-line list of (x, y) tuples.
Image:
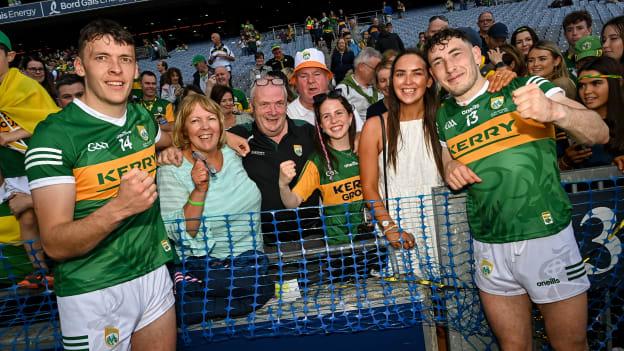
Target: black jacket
[(341, 64), (389, 41)]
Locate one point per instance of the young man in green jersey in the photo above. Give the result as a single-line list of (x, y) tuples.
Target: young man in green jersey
[(91, 170), (501, 147)]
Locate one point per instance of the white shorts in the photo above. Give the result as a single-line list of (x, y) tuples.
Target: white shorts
[(548, 269), (106, 319), (12, 186)]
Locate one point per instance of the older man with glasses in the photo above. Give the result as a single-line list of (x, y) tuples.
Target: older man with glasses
[(274, 138), (359, 87)]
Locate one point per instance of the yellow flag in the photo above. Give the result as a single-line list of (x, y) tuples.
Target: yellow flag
[(24, 100)]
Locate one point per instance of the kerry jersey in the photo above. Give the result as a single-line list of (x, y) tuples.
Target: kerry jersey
[(520, 196), (81, 146), (342, 196)]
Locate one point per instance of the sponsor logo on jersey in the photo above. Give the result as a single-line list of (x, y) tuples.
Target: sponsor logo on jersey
[(487, 267), (298, 149), (111, 336), (450, 124), (98, 145), (341, 191), (100, 181), (551, 281), (547, 218), (143, 132), (497, 102), (352, 164), (495, 135), (256, 152)]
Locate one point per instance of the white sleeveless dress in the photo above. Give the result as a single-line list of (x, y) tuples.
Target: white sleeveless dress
[(411, 182)]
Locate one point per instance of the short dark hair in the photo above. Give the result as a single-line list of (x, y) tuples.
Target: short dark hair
[(258, 55), (4, 48), (69, 79), (442, 37), (147, 73), (164, 64), (103, 27), (527, 29), (218, 91), (438, 17), (576, 17)]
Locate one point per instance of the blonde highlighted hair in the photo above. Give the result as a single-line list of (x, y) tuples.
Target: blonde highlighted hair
[(180, 136), (561, 70)]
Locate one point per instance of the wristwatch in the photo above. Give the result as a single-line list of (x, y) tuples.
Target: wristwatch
[(385, 224)]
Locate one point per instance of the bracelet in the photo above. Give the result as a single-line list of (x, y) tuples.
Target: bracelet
[(195, 203), (500, 65), (394, 226)]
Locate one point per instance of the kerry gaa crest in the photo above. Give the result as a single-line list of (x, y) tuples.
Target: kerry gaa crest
[(497, 102), (143, 132), (111, 336)]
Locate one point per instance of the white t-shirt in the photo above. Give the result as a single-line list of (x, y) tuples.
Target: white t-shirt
[(221, 61), (296, 110)]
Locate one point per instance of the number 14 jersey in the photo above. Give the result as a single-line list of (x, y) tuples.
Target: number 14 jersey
[(84, 147)]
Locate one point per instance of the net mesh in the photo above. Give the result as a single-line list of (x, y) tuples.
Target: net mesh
[(309, 286)]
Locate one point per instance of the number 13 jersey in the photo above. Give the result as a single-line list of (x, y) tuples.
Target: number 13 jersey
[(520, 196)]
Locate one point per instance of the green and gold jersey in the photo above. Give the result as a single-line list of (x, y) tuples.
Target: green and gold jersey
[(160, 109), (83, 147), (341, 196), (520, 196)]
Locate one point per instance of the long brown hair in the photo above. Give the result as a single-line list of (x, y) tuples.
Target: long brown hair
[(430, 130)]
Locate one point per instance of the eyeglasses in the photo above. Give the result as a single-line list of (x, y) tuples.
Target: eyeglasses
[(332, 94), (438, 17), (266, 81), (367, 65), (35, 69)]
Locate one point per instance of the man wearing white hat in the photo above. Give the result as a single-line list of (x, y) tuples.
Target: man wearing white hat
[(311, 77)]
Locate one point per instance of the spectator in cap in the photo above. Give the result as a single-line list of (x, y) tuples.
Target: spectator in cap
[(497, 35), (200, 77), (280, 60), (587, 48), (311, 77)]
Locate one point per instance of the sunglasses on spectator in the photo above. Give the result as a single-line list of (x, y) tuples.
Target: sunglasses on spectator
[(438, 17), (332, 94), (266, 81)]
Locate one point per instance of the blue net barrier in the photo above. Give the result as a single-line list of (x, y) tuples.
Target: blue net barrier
[(232, 281)]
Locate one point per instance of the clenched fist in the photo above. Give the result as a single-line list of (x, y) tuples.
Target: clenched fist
[(532, 103), (287, 172), (137, 191)]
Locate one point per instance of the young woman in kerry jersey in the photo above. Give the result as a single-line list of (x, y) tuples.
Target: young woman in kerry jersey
[(333, 169)]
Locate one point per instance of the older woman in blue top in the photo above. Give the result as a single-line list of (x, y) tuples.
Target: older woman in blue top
[(211, 210)]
